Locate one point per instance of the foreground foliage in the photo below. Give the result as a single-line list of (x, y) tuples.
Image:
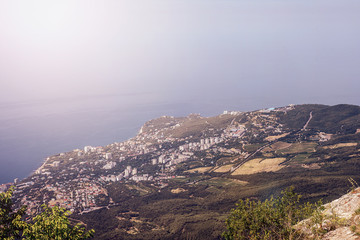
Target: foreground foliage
[(52, 223), (271, 219), (11, 223)]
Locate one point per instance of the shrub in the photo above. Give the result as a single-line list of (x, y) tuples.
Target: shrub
[(271, 219), (52, 223)]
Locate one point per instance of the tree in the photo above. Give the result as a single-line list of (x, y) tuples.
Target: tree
[(52, 223), (271, 219), (11, 224)]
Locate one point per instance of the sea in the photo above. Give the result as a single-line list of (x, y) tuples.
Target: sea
[(30, 131)]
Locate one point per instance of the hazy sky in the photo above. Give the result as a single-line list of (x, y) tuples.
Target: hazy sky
[(76, 73), (264, 51)]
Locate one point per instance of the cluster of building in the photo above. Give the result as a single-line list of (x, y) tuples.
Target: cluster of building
[(321, 137), (234, 113), (77, 194), (74, 180), (126, 174)]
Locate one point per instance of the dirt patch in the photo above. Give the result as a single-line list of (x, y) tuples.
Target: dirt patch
[(311, 166), (133, 231), (178, 190), (199, 170), (136, 220), (260, 165)]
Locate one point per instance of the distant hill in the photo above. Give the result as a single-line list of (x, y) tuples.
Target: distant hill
[(331, 119), (339, 118)]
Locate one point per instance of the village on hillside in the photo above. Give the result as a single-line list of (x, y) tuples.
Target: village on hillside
[(77, 180)]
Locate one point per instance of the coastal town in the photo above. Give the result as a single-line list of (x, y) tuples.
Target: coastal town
[(78, 180), (181, 173)]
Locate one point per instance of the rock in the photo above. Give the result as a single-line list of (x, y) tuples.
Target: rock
[(343, 233), (340, 215), (345, 206)]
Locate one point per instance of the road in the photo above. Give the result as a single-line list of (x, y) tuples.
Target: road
[(306, 124), (250, 156)]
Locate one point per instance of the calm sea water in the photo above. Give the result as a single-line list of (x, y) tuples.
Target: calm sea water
[(31, 131)]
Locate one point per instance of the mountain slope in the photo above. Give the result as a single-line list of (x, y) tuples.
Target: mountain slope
[(179, 177)]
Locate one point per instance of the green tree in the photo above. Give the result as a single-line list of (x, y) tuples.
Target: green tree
[(52, 223), (271, 219), (11, 223)]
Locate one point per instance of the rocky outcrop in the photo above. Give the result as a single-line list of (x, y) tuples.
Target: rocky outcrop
[(345, 206), (343, 233), (346, 209), (341, 219)]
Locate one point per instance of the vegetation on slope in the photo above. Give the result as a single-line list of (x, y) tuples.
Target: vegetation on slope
[(52, 223), (273, 218)]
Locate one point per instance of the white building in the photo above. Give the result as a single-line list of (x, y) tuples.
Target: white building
[(126, 173), (109, 165), (161, 159), (88, 149), (108, 156), (56, 163)]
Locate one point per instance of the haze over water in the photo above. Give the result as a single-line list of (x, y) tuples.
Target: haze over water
[(92, 72)]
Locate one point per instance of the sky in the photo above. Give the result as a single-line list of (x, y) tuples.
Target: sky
[(77, 73), (250, 53)]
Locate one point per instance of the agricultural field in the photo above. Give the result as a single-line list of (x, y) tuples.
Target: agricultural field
[(303, 147), (260, 165), (341, 145), (223, 169)]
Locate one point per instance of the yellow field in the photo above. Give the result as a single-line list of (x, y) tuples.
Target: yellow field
[(260, 165), (224, 168), (199, 170), (276, 137), (340, 145)]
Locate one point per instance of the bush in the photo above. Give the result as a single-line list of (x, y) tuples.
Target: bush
[(11, 224), (271, 219), (52, 223)]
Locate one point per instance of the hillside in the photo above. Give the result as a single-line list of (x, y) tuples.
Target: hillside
[(178, 178)]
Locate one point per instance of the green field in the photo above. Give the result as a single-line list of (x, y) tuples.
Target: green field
[(304, 147)]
